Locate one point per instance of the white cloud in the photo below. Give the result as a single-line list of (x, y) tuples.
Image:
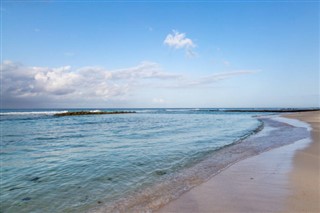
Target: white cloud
[(143, 71), (208, 80), (57, 81), (191, 54), (179, 40), (86, 82), (35, 85), (225, 75)]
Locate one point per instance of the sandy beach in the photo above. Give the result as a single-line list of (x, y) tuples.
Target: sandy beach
[(305, 176), (285, 179)]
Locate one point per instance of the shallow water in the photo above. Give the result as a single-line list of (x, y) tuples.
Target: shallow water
[(71, 164), (274, 134)]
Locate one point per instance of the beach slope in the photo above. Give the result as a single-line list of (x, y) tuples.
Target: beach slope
[(305, 176), (285, 179)]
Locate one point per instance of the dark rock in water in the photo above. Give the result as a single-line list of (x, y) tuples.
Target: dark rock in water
[(35, 179), (161, 172), (92, 113), (109, 178), (26, 199), (99, 202), (14, 188)]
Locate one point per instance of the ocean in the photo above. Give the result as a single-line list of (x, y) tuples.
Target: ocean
[(116, 161)]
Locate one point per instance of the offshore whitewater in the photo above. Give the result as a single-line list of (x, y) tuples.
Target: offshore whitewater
[(78, 163)]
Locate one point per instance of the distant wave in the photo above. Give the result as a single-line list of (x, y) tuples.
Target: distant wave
[(96, 110), (146, 110), (175, 110), (185, 110), (33, 113)]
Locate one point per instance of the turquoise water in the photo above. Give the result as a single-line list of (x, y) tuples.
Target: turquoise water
[(71, 164)]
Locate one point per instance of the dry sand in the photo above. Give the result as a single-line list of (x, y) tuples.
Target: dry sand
[(285, 179), (305, 177)]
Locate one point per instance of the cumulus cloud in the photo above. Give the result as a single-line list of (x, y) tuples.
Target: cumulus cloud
[(179, 40), (19, 81), (57, 81), (24, 84)]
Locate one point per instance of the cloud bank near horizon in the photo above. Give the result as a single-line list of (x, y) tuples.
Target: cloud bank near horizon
[(65, 84)]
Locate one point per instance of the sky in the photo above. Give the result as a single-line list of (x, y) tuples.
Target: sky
[(122, 54)]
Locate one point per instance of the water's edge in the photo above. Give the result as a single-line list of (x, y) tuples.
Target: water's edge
[(271, 133)]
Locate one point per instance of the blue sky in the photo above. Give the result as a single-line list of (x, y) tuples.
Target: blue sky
[(153, 54)]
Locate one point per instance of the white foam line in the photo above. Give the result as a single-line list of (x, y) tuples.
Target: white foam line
[(32, 113), (290, 121), (293, 122)]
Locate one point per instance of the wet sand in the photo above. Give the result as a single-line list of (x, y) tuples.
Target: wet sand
[(285, 179)]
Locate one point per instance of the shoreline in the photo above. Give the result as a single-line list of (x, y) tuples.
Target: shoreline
[(283, 179), (305, 176), (274, 134)]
